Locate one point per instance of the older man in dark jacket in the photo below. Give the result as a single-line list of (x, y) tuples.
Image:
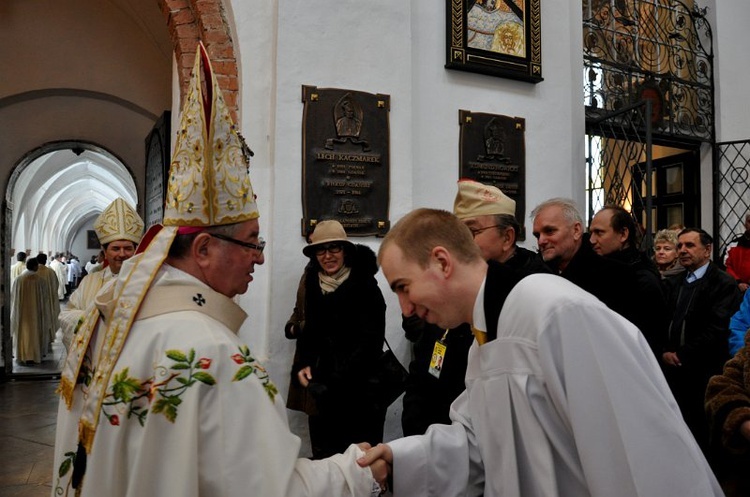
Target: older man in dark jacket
[(701, 305)]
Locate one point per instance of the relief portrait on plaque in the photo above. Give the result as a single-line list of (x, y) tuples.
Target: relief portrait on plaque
[(492, 151), (345, 160)]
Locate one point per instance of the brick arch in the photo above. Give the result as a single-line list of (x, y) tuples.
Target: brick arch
[(190, 21)]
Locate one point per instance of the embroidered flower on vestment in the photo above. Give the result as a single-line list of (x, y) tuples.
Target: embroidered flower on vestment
[(251, 366)]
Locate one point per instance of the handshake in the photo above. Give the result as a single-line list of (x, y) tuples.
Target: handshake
[(380, 461)]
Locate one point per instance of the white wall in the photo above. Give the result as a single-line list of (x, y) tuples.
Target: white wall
[(396, 48), (731, 46)]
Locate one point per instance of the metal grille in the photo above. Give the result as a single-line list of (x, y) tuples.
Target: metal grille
[(731, 192), (656, 49), (618, 157)]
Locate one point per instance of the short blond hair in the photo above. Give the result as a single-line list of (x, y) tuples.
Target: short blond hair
[(420, 231), (669, 236)]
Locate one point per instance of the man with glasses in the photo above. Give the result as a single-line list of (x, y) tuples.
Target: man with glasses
[(165, 398), (491, 217)]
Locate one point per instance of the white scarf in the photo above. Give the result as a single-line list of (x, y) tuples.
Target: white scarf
[(329, 284)]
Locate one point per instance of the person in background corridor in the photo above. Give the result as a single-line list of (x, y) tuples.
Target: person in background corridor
[(25, 316)]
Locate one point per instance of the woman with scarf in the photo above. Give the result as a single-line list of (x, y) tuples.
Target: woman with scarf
[(342, 341)]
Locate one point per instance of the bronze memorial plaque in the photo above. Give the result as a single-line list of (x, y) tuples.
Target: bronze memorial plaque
[(345, 160), (492, 151)]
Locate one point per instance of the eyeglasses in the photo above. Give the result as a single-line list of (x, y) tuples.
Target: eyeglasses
[(332, 248), (476, 231), (259, 247)]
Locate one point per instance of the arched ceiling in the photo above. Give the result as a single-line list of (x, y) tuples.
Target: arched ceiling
[(91, 76), (60, 192)]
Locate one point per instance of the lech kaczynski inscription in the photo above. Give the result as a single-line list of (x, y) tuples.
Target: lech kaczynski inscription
[(345, 160)]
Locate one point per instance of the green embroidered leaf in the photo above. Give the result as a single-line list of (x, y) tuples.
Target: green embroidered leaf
[(243, 373), (176, 355), (159, 406), (204, 378), (65, 467), (271, 390), (182, 380), (180, 365), (191, 358), (174, 400), (126, 389), (171, 413), (245, 350), (121, 376)]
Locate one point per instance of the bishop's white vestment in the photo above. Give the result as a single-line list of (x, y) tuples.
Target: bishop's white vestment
[(568, 400), (79, 301), (188, 410)]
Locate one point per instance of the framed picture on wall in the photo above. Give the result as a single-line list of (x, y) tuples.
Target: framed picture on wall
[(92, 242), (496, 37)]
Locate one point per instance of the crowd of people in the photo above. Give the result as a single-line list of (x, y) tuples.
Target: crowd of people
[(586, 368), (38, 287)]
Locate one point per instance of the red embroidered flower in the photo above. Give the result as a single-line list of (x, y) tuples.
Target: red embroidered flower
[(238, 358), (204, 363), (114, 420)]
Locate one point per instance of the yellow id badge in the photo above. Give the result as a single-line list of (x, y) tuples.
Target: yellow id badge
[(438, 355)]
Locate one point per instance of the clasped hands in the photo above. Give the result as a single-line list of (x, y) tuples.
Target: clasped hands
[(380, 461)]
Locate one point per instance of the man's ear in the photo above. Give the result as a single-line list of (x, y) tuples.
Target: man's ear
[(200, 249), (624, 234), (510, 238), (443, 259), (577, 230)]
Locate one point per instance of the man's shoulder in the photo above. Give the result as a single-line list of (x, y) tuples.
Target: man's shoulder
[(718, 276), (530, 262)]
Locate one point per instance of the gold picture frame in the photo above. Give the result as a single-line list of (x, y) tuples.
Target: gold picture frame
[(495, 37)]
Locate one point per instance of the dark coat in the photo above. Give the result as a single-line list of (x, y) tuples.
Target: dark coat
[(344, 333), (525, 262), (698, 332), (712, 300), (610, 281), (650, 312), (427, 399), (298, 398)]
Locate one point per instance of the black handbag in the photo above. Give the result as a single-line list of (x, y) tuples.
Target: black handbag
[(391, 378)]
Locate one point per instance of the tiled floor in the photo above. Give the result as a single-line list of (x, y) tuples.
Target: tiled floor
[(28, 415), (28, 412)]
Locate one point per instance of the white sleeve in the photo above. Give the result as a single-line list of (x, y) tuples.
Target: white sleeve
[(628, 430), (73, 312), (445, 461)]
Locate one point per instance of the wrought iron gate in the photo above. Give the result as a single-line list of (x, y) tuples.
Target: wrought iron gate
[(618, 158), (731, 192)]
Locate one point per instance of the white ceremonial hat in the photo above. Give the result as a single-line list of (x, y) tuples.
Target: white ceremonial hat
[(209, 184), (119, 221)]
